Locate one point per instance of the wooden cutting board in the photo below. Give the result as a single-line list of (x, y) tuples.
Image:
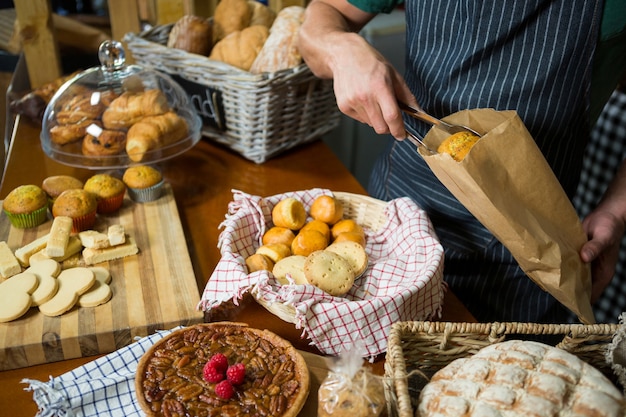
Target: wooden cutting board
[(155, 289)]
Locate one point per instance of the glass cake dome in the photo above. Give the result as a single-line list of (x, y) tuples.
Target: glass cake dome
[(118, 115)]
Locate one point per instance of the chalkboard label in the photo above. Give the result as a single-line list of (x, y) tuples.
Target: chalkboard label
[(207, 102)]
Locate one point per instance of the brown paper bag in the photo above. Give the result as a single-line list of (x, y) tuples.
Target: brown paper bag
[(506, 183)]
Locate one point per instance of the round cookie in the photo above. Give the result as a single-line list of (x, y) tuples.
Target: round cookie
[(329, 272), (100, 292), (353, 252), (292, 265), (15, 295), (46, 272)]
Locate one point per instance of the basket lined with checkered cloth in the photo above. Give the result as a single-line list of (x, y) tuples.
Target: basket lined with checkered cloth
[(257, 115)]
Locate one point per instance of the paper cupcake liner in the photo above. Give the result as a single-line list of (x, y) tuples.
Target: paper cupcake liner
[(144, 195), (26, 220), (85, 222), (111, 204)]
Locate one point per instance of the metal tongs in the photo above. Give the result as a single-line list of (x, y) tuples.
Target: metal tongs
[(420, 114)]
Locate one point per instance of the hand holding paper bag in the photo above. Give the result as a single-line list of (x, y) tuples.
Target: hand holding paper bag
[(506, 183)]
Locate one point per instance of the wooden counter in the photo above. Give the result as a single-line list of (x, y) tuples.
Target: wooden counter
[(202, 180)]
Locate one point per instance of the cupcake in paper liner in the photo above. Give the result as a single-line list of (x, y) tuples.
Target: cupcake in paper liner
[(144, 183), (79, 204), (56, 184), (26, 206), (109, 192)]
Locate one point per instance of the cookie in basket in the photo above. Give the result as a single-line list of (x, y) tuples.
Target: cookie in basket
[(179, 373)]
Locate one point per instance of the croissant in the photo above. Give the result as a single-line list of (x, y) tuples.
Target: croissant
[(64, 134), (153, 132), (129, 108)]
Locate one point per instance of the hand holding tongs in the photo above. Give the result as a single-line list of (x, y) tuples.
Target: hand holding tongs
[(425, 117)]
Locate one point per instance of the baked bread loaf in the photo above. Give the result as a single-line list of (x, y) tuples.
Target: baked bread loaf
[(458, 145), (129, 108), (274, 251), (193, 34), (307, 242), (318, 226), (289, 213), (64, 134), (230, 16), (152, 132), (259, 262), (280, 50), (261, 14), (79, 108), (278, 235), (327, 209), (240, 48), (520, 378)]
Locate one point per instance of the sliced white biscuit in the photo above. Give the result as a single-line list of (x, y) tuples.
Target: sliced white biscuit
[(100, 292), (72, 283), (116, 234), (292, 266), (46, 271), (353, 252), (9, 265), (329, 272), (59, 236), (24, 253), (96, 256), (93, 239), (15, 295)]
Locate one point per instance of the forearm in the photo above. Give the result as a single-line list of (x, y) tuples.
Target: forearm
[(329, 29)]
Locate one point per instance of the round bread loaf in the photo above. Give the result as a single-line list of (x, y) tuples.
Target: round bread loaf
[(290, 213), (346, 225), (327, 209), (329, 272), (520, 378), (278, 234), (259, 262), (318, 226), (193, 34), (274, 251), (307, 242), (351, 237), (458, 145)]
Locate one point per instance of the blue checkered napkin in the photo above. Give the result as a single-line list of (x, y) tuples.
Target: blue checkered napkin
[(103, 387)]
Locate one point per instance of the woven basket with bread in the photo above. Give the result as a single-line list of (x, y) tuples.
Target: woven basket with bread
[(338, 294), (421, 352), (249, 83)]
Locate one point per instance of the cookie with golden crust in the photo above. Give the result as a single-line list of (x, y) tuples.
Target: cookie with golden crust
[(170, 374)]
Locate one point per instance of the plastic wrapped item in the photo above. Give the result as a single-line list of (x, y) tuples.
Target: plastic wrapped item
[(350, 389)]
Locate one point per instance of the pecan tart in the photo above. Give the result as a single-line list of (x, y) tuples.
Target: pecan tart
[(222, 369)]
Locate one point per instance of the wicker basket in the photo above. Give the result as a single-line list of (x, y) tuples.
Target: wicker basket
[(366, 211), (426, 347), (256, 115)]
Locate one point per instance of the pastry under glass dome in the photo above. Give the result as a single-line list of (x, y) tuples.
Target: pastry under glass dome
[(118, 115)]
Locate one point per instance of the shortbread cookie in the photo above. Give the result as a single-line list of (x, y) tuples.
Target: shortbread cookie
[(292, 266), (9, 265), (15, 295), (73, 246), (24, 253), (72, 284), (96, 256), (93, 239), (329, 272), (116, 234), (59, 236), (46, 271), (353, 253), (100, 292)]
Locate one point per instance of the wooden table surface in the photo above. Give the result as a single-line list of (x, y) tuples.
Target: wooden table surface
[(202, 179)]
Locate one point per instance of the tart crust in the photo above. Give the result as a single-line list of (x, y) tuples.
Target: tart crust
[(169, 374)]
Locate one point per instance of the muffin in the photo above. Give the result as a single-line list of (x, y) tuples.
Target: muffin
[(80, 205), (26, 206), (56, 184), (109, 192), (143, 182)]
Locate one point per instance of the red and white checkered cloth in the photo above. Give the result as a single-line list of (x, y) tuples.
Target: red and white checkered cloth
[(404, 279)]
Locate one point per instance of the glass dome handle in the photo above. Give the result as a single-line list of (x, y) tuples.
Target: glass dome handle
[(111, 55)]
